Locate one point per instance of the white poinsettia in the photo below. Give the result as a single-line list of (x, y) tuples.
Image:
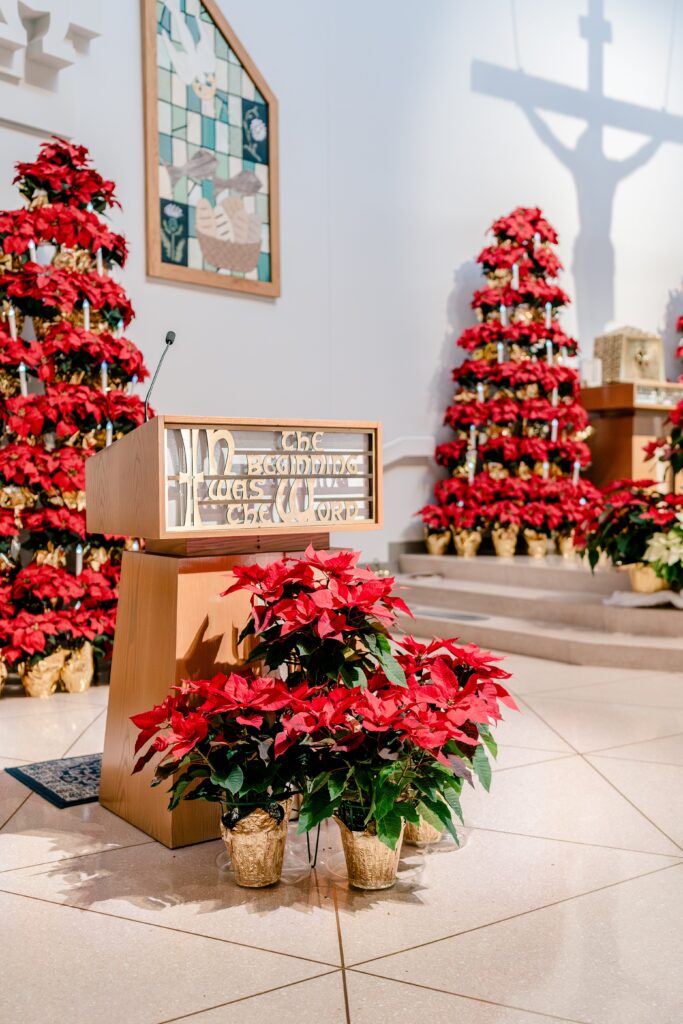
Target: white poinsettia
[(666, 548)]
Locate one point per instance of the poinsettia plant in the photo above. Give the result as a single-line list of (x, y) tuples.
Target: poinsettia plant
[(664, 553), (217, 737), (623, 525), (321, 616)]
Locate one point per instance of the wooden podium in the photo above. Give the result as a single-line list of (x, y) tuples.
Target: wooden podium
[(206, 495), (625, 417)]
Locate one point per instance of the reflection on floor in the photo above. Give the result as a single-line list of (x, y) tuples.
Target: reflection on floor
[(564, 903)]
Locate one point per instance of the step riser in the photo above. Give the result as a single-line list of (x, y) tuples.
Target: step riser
[(647, 621), (517, 572), (573, 652)]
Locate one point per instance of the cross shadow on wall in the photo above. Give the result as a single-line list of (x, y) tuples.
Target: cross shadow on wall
[(459, 315), (596, 177)]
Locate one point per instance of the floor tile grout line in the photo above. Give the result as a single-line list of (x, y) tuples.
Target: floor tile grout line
[(638, 743), (243, 999), (168, 928), (574, 842), (71, 745), (7, 820), (341, 954), (474, 999), (629, 760), (546, 760), (514, 917), (633, 805), (584, 757), (68, 860)]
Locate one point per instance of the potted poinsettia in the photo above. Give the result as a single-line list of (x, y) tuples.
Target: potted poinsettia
[(437, 532), (664, 554), (216, 737), (622, 528), (468, 522)]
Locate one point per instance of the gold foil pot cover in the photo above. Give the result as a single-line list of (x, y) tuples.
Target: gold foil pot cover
[(505, 540), (3, 673), (257, 847), (467, 542), (437, 543), (369, 863), (79, 669), (537, 543), (565, 544), (40, 680), (421, 833), (644, 580)]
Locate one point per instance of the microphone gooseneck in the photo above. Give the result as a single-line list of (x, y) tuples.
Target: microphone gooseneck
[(170, 338)]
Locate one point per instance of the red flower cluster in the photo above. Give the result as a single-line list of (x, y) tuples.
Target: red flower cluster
[(63, 171), (52, 291), (522, 225), (60, 225), (543, 505), (66, 349), (532, 292), (325, 592)]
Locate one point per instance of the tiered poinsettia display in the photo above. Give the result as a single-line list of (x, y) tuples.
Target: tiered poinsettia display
[(520, 431), (66, 376)]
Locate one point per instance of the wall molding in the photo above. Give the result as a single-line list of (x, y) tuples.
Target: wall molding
[(408, 450)]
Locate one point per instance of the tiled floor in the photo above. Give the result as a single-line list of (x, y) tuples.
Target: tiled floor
[(564, 904)]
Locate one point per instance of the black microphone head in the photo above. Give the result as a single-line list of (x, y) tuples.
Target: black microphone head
[(170, 337)]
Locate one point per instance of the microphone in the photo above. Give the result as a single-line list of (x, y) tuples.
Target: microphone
[(170, 338)]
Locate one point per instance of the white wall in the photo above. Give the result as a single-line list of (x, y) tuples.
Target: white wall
[(392, 169)]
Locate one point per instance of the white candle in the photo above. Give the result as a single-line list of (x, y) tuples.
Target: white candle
[(548, 314), (12, 322), (90, 208), (15, 549), (575, 474), (503, 314), (501, 352), (480, 392), (131, 384), (86, 315), (79, 560), (23, 382), (546, 470), (554, 426), (473, 437), (470, 471), (549, 351), (32, 251), (554, 398), (119, 329), (515, 275), (563, 355), (108, 433), (99, 262), (537, 238), (104, 376), (135, 546)]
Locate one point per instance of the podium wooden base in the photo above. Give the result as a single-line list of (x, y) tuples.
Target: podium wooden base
[(172, 624)]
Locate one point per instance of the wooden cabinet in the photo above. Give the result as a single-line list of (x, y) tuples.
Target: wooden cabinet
[(624, 418)]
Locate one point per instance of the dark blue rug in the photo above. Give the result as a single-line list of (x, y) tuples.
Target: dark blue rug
[(65, 783)]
